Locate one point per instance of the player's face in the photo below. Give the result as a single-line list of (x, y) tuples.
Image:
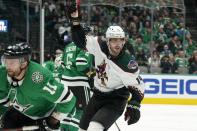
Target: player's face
[(116, 45), (13, 67)]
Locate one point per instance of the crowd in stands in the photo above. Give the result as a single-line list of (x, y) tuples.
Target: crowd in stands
[(159, 44)]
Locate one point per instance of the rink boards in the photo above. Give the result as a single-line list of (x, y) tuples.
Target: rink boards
[(170, 89)]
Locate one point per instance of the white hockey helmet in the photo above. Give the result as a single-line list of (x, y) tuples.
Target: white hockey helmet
[(115, 32)]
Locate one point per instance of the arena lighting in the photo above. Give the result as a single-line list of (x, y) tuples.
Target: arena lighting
[(3, 26)]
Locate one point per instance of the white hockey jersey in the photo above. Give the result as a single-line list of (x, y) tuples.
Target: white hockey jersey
[(110, 76)]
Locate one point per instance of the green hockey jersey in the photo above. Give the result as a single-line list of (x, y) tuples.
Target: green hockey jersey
[(77, 63), (3, 109), (49, 65), (37, 95)]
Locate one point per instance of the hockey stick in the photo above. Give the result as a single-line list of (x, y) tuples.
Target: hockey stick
[(117, 126), (24, 128)]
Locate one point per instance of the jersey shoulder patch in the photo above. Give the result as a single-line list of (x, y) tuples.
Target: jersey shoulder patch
[(37, 77), (132, 65)]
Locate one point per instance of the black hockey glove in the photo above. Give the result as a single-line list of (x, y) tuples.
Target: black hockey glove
[(52, 123), (132, 114), (71, 8)]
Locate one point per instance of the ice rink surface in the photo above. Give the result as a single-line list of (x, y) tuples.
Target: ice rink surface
[(162, 118)]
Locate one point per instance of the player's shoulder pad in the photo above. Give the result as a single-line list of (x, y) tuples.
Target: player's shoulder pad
[(39, 74), (132, 66), (127, 63)]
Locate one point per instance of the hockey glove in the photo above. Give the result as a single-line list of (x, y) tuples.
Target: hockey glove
[(132, 114), (72, 8), (52, 123), (73, 12)]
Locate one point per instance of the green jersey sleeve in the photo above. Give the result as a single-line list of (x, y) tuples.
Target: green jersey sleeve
[(3, 86), (49, 65), (59, 94), (83, 61)]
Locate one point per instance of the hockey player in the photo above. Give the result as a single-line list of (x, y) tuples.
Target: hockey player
[(53, 64), (116, 78), (31, 91), (76, 63)]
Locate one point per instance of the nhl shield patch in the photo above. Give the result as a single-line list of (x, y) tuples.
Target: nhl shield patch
[(132, 64), (37, 77)]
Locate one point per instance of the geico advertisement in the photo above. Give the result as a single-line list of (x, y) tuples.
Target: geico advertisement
[(170, 86)]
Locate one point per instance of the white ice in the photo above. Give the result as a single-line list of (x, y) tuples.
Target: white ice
[(162, 118)]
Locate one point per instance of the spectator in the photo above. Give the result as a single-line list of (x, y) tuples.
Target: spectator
[(192, 46), (168, 65), (165, 52), (173, 43), (180, 59), (193, 65), (154, 60), (161, 36)]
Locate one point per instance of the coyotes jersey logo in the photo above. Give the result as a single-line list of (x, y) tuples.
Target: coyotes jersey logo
[(102, 75)]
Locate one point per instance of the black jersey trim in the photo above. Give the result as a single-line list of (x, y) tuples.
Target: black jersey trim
[(75, 122), (66, 96), (84, 61), (5, 102), (74, 80)]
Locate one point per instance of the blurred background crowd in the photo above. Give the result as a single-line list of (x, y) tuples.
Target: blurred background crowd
[(161, 34)]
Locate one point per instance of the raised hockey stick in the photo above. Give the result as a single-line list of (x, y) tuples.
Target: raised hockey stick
[(117, 126), (24, 128)]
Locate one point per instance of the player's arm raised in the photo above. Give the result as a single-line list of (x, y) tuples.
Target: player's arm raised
[(78, 34)]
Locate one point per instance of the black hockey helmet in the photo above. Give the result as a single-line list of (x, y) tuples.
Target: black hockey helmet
[(19, 50)]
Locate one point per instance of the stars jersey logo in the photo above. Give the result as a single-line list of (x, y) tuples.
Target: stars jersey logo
[(37, 77)]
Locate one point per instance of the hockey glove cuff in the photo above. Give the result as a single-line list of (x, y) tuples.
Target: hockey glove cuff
[(52, 123), (132, 114)]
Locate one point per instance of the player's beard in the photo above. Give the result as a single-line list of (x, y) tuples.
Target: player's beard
[(115, 51), (14, 73)]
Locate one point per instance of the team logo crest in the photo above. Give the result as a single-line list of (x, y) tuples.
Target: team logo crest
[(132, 64), (37, 77), (101, 71)]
